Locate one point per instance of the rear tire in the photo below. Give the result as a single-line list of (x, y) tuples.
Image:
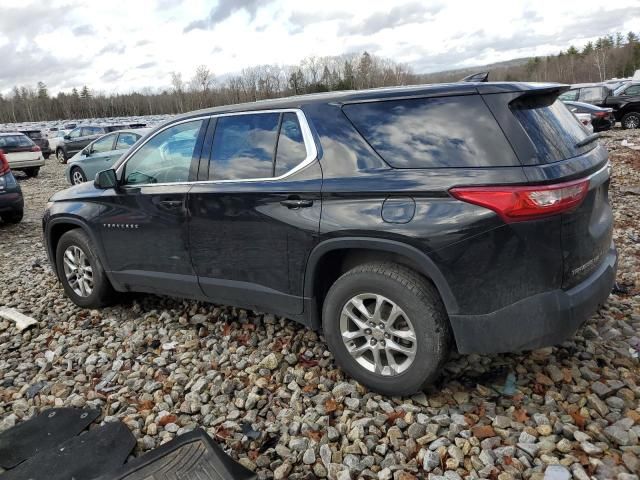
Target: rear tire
[(77, 176), (422, 317), (13, 217), (32, 171), (631, 120), (80, 271)]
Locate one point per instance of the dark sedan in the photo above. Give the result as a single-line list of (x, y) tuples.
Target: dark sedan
[(601, 118)]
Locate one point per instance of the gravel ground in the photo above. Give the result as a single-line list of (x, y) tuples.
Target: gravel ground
[(269, 392)]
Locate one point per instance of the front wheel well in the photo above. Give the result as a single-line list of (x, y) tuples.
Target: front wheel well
[(55, 233)]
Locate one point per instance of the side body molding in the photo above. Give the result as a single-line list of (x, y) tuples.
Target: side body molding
[(419, 261)]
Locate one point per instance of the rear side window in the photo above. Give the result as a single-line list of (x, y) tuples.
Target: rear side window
[(592, 94), (570, 95), (244, 146), (552, 128), (291, 149), (439, 132)]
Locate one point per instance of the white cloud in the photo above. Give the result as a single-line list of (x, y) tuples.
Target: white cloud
[(126, 45)]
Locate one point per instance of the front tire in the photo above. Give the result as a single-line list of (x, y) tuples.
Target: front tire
[(387, 328), (80, 271), (631, 120), (77, 176)]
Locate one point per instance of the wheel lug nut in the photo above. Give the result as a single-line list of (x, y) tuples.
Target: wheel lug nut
[(386, 335), (373, 341), (368, 331), (383, 343)]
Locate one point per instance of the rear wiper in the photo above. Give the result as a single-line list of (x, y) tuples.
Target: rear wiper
[(587, 140)]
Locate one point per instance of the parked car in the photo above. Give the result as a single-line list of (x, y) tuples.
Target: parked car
[(625, 102), (22, 154), (77, 139), (600, 118), (595, 94), (55, 138), (11, 201), (404, 222), (585, 120), (40, 140), (101, 154)]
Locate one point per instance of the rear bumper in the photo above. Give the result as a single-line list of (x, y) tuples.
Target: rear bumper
[(11, 201), (20, 164), (541, 320)]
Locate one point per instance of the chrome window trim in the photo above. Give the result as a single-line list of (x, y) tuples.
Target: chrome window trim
[(307, 137)]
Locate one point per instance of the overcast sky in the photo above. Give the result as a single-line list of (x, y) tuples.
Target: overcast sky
[(113, 45)]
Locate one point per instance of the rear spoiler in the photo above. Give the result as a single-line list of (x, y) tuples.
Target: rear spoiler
[(476, 77)]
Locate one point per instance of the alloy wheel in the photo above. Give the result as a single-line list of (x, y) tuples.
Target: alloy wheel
[(632, 122), (378, 334), (77, 177), (60, 156), (78, 271)]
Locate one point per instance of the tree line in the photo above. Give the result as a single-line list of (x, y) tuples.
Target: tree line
[(609, 56)]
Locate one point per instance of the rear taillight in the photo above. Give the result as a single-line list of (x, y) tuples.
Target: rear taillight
[(601, 114), (585, 122), (515, 204), (4, 163), (35, 148)]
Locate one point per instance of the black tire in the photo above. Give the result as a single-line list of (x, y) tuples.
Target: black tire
[(46, 156), (60, 155), (13, 217), (102, 293), (32, 171), (417, 298), (77, 172), (631, 120)]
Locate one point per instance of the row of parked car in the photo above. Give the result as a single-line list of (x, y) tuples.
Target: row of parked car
[(606, 103)]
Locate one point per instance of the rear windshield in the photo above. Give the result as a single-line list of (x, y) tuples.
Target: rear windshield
[(553, 129), (34, 135), (15, 141), (440, 132)]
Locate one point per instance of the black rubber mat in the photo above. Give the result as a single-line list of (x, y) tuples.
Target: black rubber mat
[(42, 432), (103, 449), (192, 456)]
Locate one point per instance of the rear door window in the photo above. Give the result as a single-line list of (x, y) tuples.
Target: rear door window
[(244, 146), (125, 140), (291, 148), (570, 95), (554, 131), (592, 94), (457, 131)]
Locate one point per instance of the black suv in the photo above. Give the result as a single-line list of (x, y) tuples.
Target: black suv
[(80, 137), (404, 222), (625, 102)]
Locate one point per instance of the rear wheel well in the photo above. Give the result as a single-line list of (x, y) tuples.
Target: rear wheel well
[(335, 263)]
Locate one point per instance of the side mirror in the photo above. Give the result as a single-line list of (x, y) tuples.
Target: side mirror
[(67, 137), (106, 179), (87, 152)]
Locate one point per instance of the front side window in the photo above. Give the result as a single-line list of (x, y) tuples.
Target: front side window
[(75, 133), (633, 90), (125, 140), (102, 145), (165, 158), (244, 146), (291, 150)]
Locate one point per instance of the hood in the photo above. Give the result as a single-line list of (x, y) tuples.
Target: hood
[(83, 191)]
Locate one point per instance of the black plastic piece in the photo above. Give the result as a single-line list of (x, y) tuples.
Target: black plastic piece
[(87, 456), (192, 456), (43, 432)]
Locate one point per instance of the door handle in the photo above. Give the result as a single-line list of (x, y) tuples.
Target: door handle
[(294, 203), (171, 203)]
